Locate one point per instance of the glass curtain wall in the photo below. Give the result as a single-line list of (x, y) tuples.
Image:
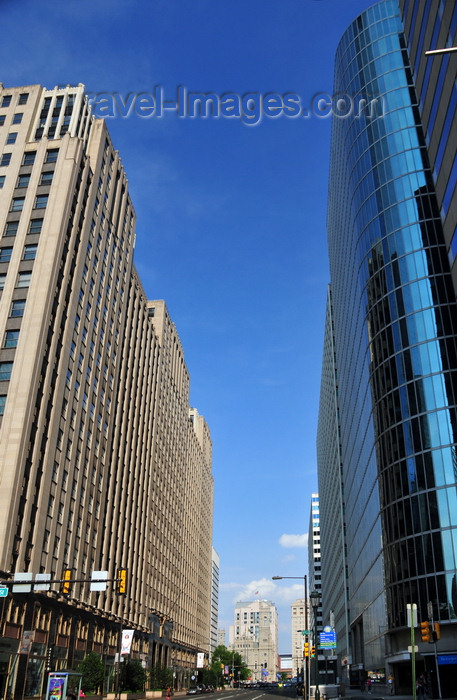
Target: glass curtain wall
[(395, 340)]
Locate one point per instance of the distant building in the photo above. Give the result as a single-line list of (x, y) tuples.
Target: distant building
[(255, 637), (285, 665), (221, 638), (214, 600), (314, 559), (299, 623)]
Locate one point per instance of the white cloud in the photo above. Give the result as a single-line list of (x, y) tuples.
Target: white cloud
[(289, 541)]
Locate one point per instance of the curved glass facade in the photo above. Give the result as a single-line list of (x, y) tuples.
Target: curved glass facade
[(395, 324)]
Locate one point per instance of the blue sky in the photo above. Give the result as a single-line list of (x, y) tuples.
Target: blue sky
[(230, 232)]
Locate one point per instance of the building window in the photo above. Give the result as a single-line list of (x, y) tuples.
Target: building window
[(5, 159), (23, 97), (5, 254), (2, 119), (11, 228), (12, 136), (11, 338), (2, 404), (35, 225), (5, 371), (51, 155), (17, 119), (30, 252), (2, 181), (2, 280), (41, 201), (17, 308), (23, 279), (17, 203), (6, 101), (46, 178), (23, 181), (29, 158)]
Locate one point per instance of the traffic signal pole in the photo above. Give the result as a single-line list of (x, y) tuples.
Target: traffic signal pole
[(411, 614), (435, 635)]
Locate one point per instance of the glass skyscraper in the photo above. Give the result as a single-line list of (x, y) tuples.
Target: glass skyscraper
[(395, 363)]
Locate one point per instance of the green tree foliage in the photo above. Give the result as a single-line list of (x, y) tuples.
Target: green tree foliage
[(132, 676), (160, 677), (224, 657), (93, 673)]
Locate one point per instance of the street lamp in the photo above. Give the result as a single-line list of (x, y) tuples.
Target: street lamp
[(315, 598), (306, 661)]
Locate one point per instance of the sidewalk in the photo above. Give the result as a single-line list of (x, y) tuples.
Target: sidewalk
[(378, 693)]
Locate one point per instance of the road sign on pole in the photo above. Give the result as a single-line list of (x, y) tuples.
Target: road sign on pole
[(3, 591)]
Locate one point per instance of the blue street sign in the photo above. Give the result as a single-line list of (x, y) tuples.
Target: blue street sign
[(327, 639), (3, 591)]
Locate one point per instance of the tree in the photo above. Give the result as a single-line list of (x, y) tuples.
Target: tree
[(93, 673), (224, 657), (132, 676), (160, 677)]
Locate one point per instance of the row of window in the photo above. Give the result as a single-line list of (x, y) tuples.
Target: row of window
[(29, 252), (41, 202), (17, 118), (23, 280), (29, 157), (22, 100), (11, 227)]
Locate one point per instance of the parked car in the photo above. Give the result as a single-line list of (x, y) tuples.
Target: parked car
[(193, 690)]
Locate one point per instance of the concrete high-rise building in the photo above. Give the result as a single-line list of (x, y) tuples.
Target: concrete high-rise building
[(314, 559), (215, 568), (394, 330), (255, 637), (298, 623), (103, 464)]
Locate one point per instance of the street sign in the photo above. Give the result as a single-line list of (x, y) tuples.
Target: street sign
[(327, 638), (3, 591), (20, 585), (306, 632), (99, 585), (42, 586)]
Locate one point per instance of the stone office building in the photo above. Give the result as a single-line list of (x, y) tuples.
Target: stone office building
[(103, 463)]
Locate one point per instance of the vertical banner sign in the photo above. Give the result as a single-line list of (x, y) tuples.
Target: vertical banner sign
[(200, 659), (226, 670), (26, 642), (126, 644)]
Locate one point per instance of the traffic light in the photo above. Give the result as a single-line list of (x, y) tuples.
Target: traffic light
[(65, 581), (436, 634), (121, 585), (306, 650), (313, 652), (426, 631)]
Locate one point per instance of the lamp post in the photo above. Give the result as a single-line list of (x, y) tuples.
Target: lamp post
[(315, 599), (305, 658)]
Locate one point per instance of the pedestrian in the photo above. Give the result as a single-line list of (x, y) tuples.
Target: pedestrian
[(390, 682), (168, 696), (369, 685), (421, 686)]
